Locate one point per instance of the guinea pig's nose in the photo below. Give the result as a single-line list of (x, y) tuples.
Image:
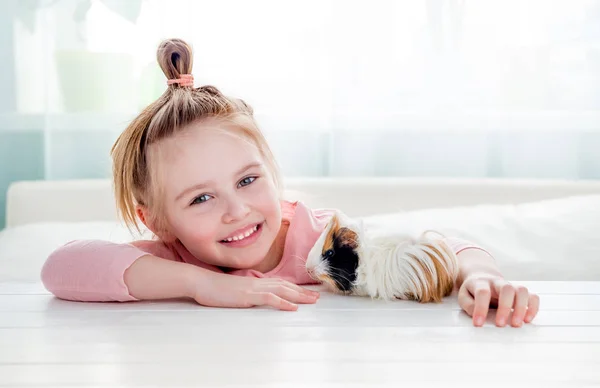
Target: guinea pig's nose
[(311, 272)]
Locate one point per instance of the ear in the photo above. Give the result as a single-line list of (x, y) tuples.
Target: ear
[(141, 212), (144, 215), (346, 237)]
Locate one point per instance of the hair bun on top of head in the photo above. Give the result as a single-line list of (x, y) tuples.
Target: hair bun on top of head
[(175, 58)]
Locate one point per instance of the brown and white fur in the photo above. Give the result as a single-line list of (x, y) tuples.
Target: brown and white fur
[(393, 266)]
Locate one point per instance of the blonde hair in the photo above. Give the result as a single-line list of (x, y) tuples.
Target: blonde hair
[(178, 107)]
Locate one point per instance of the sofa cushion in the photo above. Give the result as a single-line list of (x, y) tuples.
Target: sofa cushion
[(555, 239)]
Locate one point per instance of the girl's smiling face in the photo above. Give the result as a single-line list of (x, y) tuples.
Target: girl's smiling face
[(219, 198)]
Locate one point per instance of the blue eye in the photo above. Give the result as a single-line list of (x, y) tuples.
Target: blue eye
[(328, 253), (200, 199), (247, 181)]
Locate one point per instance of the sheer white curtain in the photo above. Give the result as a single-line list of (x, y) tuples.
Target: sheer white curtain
[(411, 88)]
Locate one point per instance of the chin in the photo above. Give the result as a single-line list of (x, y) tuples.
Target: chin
[(245, 258), (245, 263)]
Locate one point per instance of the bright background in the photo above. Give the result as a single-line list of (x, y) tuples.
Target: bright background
[(472, 88)]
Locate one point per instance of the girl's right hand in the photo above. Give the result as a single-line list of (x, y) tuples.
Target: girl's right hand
[(223, 290)]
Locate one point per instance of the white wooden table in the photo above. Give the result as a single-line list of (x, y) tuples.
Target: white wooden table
[(339, 342)]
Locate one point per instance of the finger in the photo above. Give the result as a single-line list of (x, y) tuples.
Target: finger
[(277, 282), (506, 300), (532, 308), (301, 289), (270, 299), (292, 295), (482, 295), (466, 301), (521, 301)]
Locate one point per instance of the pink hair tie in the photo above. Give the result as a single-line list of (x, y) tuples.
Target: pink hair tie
[(183, 80)]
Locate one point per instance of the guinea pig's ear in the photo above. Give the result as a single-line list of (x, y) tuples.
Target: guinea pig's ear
[(346, 237)]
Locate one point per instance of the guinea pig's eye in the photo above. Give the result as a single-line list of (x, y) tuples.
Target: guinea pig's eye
[(328, 253)]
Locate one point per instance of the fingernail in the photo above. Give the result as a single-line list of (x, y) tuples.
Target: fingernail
[(501, 322), (479, 321), (517, 322)]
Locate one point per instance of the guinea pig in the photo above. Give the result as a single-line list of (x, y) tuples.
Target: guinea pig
[(392, 266)]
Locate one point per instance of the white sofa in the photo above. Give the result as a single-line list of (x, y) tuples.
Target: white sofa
[(537, 229)]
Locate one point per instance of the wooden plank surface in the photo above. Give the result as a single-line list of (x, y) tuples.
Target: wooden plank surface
[(339, 342)]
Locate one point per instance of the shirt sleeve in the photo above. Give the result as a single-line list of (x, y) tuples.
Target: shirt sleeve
[(93, 270), (459, 244)]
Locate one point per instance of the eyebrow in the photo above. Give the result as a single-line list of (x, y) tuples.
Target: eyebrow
[(203, 185)]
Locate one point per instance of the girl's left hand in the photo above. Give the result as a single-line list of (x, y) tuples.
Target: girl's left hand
[(480, 291)]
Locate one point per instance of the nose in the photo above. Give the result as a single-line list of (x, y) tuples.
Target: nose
[(235, 210), (311, 272)]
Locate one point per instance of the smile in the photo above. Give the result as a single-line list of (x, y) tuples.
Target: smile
[(243, 235)]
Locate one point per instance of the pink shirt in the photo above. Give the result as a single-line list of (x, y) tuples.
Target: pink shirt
[(93, 270)]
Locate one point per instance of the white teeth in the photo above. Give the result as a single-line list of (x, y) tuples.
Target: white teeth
[(242, 236)]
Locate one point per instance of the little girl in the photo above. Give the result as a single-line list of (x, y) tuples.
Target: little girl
[(195, 169)]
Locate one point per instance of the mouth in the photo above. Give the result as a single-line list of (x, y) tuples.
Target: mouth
[(330, 283), (244, 237)]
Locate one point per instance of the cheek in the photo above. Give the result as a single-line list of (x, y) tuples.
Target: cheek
[(196, 230), (263, 197), (315, 262), (311, 261)]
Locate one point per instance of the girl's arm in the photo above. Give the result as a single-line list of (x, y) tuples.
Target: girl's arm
[(481, 285), (154, 278), (101, 271), (151, 277), (472, 258), (95, 270)]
